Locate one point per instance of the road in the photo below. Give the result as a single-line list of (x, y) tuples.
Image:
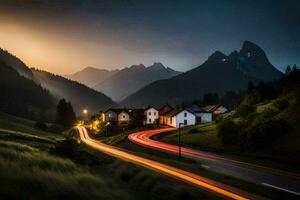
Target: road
[(194, 179), (269, 177)]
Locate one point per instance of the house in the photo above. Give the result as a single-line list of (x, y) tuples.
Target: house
[(202, 116), (162, 111), (152, 115), (124, 117), (215, 109), (111, 115), (118, 115), (177, 117)]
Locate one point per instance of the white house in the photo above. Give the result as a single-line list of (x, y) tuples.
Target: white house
[(215, 109), (152, 116), (202, 116), (179, 116)]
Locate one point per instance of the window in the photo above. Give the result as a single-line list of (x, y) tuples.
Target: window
[(185, 114), (124, 116), (150, 120), (149, 113), (185, 122), (154, 113)]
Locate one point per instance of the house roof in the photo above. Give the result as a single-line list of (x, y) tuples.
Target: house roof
[(175, 112), (151, 107), (127, 110), (210, 108), (116, 110), (163, 110)]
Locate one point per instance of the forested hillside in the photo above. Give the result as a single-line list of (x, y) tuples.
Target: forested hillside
[(21, 96)]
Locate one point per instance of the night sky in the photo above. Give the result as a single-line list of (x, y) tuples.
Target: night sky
[(66, 36)]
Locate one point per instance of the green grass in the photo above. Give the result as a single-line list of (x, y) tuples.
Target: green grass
[(192, 166), (202, 136), (283, 152), (20, 124), (29, 171)]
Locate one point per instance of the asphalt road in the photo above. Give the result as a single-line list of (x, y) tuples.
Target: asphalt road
[(269, 177), (194, 179)]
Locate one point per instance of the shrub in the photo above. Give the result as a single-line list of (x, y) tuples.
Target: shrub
[(66, 148), (193, 130), (41, 126), (228, 131), (245, 110), (282, 104), (261, 135), (55, 128)]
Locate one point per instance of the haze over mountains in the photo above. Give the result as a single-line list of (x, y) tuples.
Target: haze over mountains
[(220, 73), (130, 79), (139, 86), (30, 81), (80, 95), (91, 76)]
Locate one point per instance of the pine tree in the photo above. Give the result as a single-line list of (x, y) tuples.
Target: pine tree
[(288, 70), (65, 115), (294, 68)]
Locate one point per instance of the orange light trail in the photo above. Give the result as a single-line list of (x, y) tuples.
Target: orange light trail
[(219, 188)]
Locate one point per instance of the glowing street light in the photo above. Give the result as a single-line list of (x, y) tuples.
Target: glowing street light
[(85, 111)]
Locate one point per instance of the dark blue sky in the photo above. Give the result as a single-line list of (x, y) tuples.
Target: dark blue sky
[(180, 34)]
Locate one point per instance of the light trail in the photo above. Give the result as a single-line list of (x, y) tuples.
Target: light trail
[(219, 188), (242, 170)]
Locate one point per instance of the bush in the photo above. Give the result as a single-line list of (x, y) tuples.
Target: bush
[(282, 104), (193, 130), (228, 131), (245, 110), (55, 128), (261, 135), (41, 126), (66, 148)]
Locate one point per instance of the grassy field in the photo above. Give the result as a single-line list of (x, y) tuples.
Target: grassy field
[(29, 170), (282, 152), (122, 141)]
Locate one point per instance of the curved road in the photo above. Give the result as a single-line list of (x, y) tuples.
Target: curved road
[(275, 179), (219, 188)]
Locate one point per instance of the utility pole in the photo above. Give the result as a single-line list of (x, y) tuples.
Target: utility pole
[(179, 141)]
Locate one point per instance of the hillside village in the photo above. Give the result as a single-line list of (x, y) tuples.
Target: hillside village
[(166, 115)]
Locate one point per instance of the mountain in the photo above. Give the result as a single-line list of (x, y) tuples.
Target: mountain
[(91, 76), (21, 96), (220, 73), (80, 95), (15, 63), (253, 62), (129, 80)]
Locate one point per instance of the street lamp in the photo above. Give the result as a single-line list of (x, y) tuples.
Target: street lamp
[(106, 127), (85, 111), (179, 141)]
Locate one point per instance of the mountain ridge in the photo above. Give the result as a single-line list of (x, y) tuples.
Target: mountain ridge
[(218, 74), (90, 76), (131, 79)]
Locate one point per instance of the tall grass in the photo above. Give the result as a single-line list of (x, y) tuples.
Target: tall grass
[(27, 173)]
